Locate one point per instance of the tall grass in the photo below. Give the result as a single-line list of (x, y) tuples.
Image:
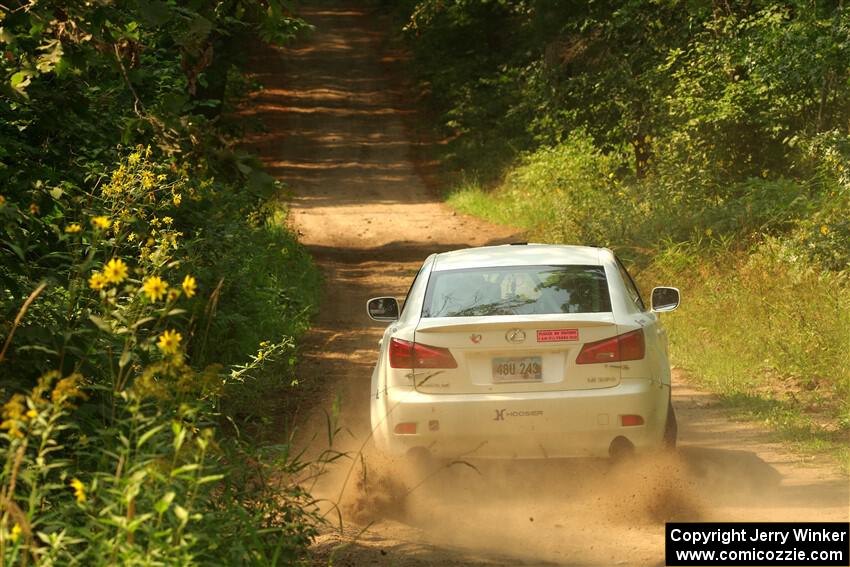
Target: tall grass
[(766, 332)]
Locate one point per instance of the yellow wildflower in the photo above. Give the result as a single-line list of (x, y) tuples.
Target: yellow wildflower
[(147, 179), (133, 158), (169, 341), (115, 271), (190, 286), (173, 294), (68, 387), (73, 228), (13, 412), (15, 533), (32, 414), (14, 408), (155, 288), (79, 490), (97, 281), (101, 222), (824, 229), (177, 198), (131, 237), (12, 427), (116, 184), (167, 220)]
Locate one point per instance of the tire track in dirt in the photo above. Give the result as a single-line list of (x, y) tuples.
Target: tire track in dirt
[(335, 133)]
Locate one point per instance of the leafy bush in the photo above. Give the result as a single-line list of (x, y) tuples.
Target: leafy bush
[(145, 279), (721, 93), (126, 318), (154, 487)]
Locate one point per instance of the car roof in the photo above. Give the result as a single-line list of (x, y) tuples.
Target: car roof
[(521, 255)]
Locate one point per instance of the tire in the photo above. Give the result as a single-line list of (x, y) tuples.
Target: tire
[(671, 429)]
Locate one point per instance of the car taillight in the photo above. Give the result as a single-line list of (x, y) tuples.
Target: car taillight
[(628, 346), (626, 420), (405, 354)]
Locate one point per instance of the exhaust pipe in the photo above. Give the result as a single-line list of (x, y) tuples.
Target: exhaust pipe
[(620, 448), (419, 457)]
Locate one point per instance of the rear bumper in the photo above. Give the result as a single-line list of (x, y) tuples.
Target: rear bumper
[(530, 425)]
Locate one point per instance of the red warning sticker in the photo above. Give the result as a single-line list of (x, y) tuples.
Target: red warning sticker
[(557, 335)]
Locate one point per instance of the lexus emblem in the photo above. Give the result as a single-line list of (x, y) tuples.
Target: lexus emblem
[(515, 336)]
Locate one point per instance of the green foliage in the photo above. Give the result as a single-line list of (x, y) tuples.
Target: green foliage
[(158, 488), (750, 85), (722, 93), (563, 192), (144, 278)]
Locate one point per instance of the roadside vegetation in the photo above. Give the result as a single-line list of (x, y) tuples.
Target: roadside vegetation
[(707, 143), (150, 298)]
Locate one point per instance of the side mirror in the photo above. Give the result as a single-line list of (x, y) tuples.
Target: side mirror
[(383, 309), (665, 299)]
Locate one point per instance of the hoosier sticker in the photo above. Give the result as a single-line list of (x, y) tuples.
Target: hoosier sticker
[(557, 335)]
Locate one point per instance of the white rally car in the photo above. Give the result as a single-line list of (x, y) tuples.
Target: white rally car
[(522, 351)]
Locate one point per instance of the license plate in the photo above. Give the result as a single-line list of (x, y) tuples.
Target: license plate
[(518, 369)]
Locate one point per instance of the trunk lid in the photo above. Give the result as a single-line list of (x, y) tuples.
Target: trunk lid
[(510, 354)]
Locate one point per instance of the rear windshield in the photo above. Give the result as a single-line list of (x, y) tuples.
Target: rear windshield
[(517, 290)]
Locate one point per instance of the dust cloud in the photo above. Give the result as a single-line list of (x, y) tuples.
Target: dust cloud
[(548, 511), (557, 511)]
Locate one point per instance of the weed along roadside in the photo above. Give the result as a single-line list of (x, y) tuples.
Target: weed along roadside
[(152, 299)]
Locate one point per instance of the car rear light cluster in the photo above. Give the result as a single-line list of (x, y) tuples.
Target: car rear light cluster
[(406, 428), (631, 420), (628, 346), (405, 354)]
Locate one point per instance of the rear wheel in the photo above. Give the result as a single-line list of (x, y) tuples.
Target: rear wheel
[(671, 428)]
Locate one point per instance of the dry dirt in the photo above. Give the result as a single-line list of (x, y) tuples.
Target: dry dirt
[(338, 132)]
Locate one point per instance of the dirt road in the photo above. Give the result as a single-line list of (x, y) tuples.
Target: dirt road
[(338, 134)]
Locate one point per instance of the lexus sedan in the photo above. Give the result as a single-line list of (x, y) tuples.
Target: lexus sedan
[(523, 351)]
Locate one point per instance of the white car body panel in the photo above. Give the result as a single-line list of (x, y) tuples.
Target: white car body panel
[(575, 410)]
